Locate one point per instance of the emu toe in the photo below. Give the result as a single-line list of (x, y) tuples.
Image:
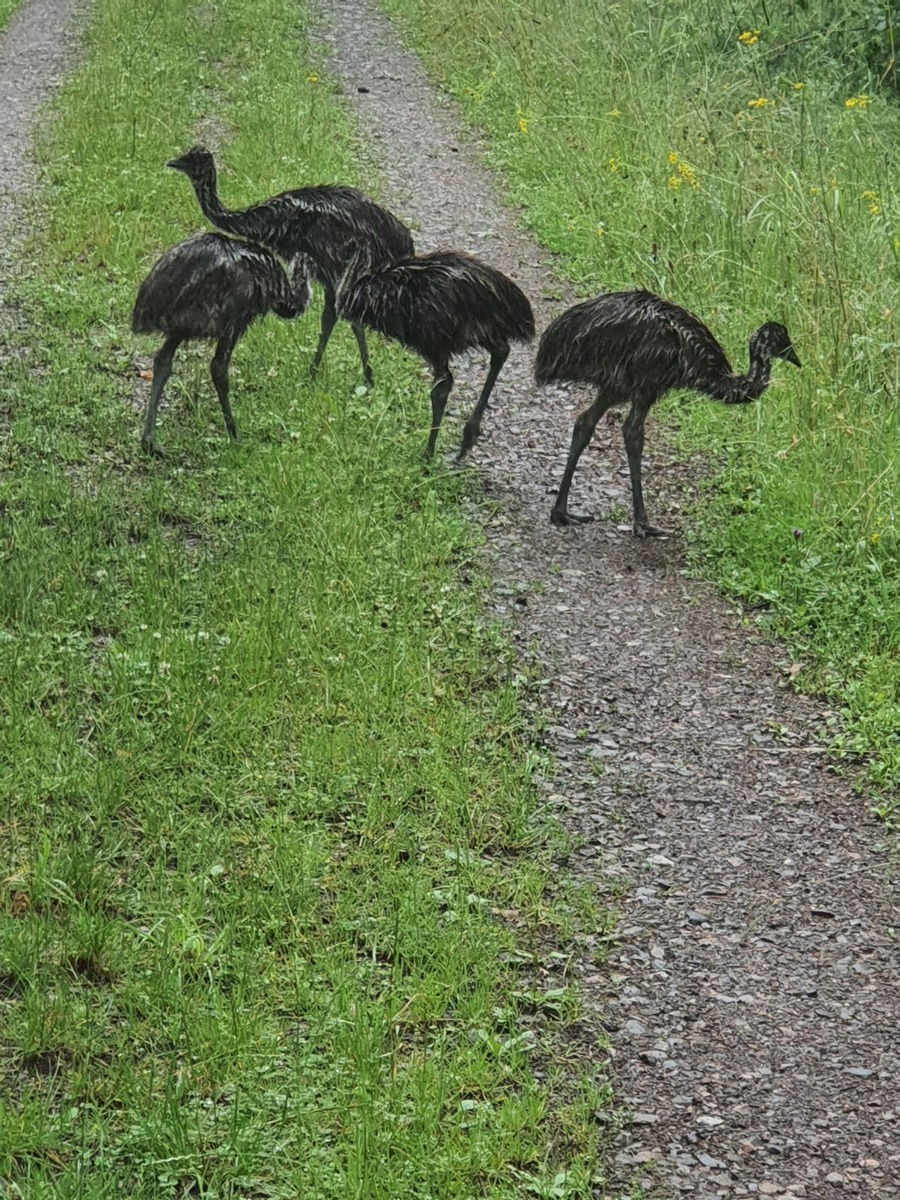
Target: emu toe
[(561, 516), (650, 531)]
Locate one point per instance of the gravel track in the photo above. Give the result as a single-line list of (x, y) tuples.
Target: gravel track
[(34, 52), (753, 993)]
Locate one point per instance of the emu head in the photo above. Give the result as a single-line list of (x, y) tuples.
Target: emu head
[(773, 341), (197, 163)]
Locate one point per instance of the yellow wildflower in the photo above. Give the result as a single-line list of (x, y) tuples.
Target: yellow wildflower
[(600, 229), (613, 164), (874, 539), (749, 37), (874, 209), (867, 195), (673, 158), (523, 125), (686, 171), (312, 78), (798, 87), (856, 102), (614, 113), (674, 182), (761, 102)]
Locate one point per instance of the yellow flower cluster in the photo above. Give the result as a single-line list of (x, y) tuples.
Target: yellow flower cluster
[(683, 173), (613, 164), (760, 102), (523, 125), (871, 199), (856, 102), (749, 37), (312, 78)]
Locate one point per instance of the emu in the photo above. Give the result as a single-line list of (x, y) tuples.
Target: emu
[(439, 305), (211, 286), (328, 224), (633, 347)]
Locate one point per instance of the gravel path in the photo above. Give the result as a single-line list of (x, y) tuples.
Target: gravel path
[(754, 991), (34, 51)]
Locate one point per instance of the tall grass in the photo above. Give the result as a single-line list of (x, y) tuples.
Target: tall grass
[(278, 910), (745, 164)]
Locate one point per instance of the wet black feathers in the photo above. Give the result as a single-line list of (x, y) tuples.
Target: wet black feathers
[(326, 222), (631, 343), (210, 285), (630, 340), (439, 305)]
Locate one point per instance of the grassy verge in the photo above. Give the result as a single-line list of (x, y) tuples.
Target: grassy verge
[(7, 8), (746, 166), (278, 914)]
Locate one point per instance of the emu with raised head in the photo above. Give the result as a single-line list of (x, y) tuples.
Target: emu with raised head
[(328, 225)]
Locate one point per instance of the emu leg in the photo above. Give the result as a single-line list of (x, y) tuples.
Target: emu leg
[(329, 320), (633, 433), (162, 369), (582, 433), (443, 382), (218, 368), (360, 334), (473, 425)]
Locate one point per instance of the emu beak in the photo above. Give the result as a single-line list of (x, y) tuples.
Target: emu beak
[(790, 355), (177, 164)]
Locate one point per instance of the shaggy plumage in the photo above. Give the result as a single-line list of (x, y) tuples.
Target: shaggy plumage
[(211, 286), (330, 225), (633, 347), (439, 305)]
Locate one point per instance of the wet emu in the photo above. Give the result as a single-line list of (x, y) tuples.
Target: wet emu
[(633, 347), (439, 305), (214, 287), (327, 224)]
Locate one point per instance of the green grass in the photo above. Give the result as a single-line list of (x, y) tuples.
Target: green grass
[(280, 910), (749, 180), (7, 9)]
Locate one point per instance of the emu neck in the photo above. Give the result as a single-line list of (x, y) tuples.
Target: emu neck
[(213, 209), (743, 389)]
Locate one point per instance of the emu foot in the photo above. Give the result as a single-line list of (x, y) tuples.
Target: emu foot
[(149, 446), (470, 437), (646, 530), (561, 516)]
